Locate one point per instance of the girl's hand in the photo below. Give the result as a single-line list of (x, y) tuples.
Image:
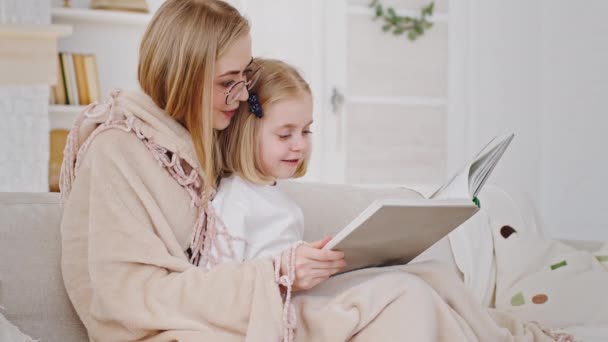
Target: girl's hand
[(313, 264)]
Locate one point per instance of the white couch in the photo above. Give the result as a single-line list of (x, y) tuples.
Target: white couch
[(31, 288)]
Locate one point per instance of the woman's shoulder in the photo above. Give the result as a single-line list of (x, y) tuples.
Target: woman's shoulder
[(116, 146), (113, 142), (117, 152)]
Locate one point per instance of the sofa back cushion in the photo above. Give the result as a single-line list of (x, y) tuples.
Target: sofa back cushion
[(31, 285), (328, 208)]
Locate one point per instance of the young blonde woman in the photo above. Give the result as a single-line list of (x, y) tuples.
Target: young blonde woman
[(139, 171)]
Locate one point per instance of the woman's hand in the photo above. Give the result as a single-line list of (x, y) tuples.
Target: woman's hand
[(313, 264)]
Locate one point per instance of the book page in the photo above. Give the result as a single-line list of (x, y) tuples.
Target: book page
[(456, 188), (483, 167), (468, 181)]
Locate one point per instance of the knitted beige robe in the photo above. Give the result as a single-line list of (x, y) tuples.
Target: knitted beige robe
[(133, 206)]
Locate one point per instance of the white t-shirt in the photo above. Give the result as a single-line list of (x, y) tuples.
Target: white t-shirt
[(263, 215)]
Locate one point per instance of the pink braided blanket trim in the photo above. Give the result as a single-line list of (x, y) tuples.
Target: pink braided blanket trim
[(289, 312)]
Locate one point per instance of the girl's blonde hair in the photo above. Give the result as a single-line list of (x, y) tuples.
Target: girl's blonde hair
[(177, 59), (239, 142)]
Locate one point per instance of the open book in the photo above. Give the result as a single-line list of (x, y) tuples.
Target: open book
[(467, 182), (395, 231)]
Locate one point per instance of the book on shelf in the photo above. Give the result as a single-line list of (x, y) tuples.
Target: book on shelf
[(395, 231), (67, 69), (121, 5), (78, 80), (81, 79), (92, 76), (58, 94), (57, 140)]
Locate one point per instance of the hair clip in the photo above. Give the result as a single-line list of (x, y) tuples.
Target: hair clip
[(254, 105)]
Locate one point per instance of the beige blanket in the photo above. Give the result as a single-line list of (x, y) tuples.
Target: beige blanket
[(127, 222), (418, 302)]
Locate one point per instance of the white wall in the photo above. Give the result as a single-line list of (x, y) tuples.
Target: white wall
[(536, 68), (494, 87), (24, 131), (24, 138), (292, 31), (574, 120)]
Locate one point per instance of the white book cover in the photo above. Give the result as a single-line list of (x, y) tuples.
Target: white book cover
[(395, 231)]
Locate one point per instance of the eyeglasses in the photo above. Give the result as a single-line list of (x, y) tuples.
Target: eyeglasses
[(235, 91)]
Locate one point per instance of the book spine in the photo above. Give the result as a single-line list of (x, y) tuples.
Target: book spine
[(120, 5), (94, 89), (65, 69), (59, 88), (81, 81)]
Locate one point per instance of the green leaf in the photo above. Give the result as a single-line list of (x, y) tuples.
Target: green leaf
[(415, 27), (379, 11), (428, 10)]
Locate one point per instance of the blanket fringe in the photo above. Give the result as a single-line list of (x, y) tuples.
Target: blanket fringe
[(557, 336), (286, 280)]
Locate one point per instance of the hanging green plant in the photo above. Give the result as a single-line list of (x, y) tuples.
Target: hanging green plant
[(397, 24)]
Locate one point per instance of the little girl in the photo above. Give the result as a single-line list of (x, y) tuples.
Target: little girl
[(268, 140)]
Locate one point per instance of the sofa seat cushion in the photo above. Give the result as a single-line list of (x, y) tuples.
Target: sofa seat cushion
[(31, 285)]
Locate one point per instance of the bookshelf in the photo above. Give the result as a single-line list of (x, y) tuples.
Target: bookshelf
[(112, 36)]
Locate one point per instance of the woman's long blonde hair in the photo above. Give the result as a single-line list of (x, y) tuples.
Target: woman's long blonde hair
[(239, 142), (177, 59)]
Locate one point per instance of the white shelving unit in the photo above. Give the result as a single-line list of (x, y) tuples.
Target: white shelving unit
[(91, 16), (28, 52), (62, 116), (34, 31)]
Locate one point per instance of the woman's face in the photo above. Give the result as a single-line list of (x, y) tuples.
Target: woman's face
[(230, 68)]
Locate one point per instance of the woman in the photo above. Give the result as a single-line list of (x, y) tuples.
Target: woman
[(137, 218)]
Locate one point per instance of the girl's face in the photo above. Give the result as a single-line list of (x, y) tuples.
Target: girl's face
[(284, 136), (230, 68)]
